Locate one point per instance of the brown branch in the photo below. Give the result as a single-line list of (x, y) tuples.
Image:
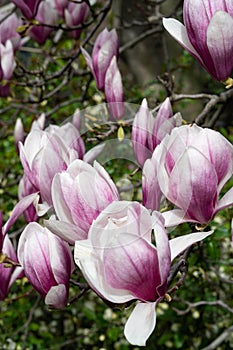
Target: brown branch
[(220, 339)]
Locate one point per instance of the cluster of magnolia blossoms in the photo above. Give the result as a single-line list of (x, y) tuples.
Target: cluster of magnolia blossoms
[(45, 15), (121, 247)]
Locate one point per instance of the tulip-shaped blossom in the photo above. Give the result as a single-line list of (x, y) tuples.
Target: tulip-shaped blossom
[(121, 264), (46, 152), (105, 48), (7, 65), (148, 132), (79, 194), (47, 263), (193, 164), (8, 275), (8, 29), (45, 15), (75, 15), (207, 35), (59, 6), (28, 7), (113, 89)]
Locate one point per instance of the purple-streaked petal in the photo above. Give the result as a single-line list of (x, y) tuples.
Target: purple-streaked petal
[(140, 323), (20, 207), (131, 264), (220, 43), (193, 186), (151, 192), (93, 271), (113, 89), (179, 244), (142, 133)]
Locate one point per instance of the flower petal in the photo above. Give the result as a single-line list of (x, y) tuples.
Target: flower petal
[(140, 324), (179, 33), (179, 244), (220, 43)]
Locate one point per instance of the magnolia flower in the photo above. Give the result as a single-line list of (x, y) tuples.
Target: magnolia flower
[(46, 152), (7, 66), (148, 132), (105, 48), (113, 89), (193, 164), (47, 263), (8, 275), (60, 6), (207, 34), (28, 7), (121, 264), (8, 29), (45, 15), (76, 14), (79, 194)]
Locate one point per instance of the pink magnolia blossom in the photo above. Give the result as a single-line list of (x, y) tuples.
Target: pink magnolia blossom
[(46, 152), (8, 29), (45, 15), (60, 6), (47, 263), (148, 132), (28, 7), (76, 14), (7, 66), (105, 48), (121, 264), (8, 275), (193, 164), (79, 194), (113, 89), (207, 34)]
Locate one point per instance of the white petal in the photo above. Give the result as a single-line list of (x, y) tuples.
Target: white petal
[(178, 31), (140, 324), (179, 244)]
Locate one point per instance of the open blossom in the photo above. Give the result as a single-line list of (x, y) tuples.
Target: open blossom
[(28, 7), (207, 34), (79, 194), (193, 165), (45, 15), (121, 264), (105, 48), (148, 132), (47, 263)]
